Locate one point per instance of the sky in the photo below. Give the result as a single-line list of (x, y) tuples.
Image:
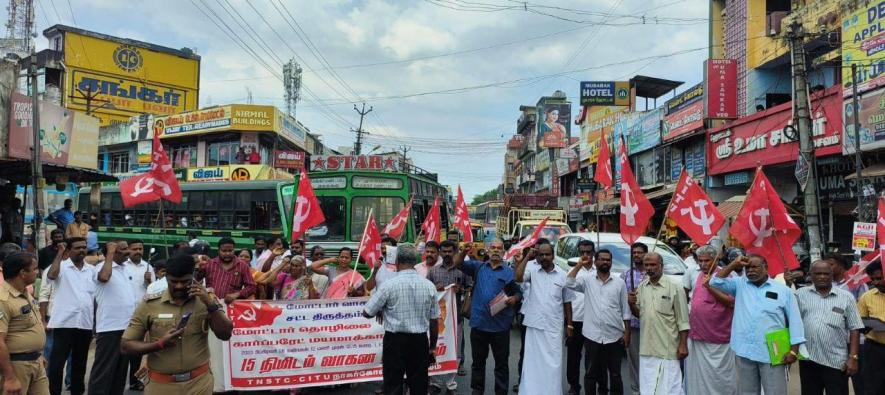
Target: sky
[(444, 77)]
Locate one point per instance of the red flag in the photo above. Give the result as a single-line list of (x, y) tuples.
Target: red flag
[(307, 212), (527, 241), (636, 210), (431, 225), (370, 244), (764, 227), (880, 227), (693, 211), (603, 173), (462, 217), (158, 183), (397, 224), (857, 275)]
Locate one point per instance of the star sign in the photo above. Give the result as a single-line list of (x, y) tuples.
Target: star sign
[(389, 163), (318, 164)]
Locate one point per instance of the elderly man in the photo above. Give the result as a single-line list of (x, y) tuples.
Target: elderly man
[(547, 310), (408, 302), (660, 303), (709, 368), (832, 321), (762, 305)]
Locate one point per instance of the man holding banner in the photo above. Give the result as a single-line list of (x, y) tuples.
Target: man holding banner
[(411, 312)]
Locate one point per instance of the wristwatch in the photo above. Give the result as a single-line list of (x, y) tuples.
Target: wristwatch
[(853, 356), (793, 353)]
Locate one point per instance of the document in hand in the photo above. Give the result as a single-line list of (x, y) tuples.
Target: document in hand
[(498, 303), (779, 345)]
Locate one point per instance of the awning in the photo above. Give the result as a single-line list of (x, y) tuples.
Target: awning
[(605, 206), (876, 170), (19, 172), (665, 191), (732, 206)]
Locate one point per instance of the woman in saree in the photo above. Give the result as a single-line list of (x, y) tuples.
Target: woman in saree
[(293, 282), (343, 281)]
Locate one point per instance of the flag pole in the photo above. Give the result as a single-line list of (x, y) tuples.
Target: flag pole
[(360, 248), (666, 211), (163, 227)]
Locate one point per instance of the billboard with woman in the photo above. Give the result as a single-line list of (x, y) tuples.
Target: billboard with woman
[(553, 125)]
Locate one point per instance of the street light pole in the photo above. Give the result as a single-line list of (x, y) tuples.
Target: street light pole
[(36, 160)]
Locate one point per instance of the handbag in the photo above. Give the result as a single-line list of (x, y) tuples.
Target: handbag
[(466, 303)]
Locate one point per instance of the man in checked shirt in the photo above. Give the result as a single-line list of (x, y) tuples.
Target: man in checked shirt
[(227, 275)]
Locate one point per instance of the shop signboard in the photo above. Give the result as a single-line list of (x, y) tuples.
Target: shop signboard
[(605, 93), (243, 117), (863, 45), (759, 138), (554, 124), (645, 131), (60, 128), (684, 121), (720, 76), (353, 162), (288, 159), (832, 185), (863, 238), (290, 129), (542, 161), (872, 122), (685, 99), (230, 173), (133, 77), (597, 121)]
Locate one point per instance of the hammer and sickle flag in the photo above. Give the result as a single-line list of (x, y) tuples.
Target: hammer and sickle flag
[(693, 211), (307, 212), (158, 183), (636, 210)]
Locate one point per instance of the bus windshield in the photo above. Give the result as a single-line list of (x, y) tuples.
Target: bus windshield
[(383, 209)]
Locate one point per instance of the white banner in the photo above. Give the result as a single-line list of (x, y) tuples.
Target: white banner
[(296, 344)]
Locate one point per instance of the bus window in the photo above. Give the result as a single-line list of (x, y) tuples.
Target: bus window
[(333, 229), (383, 209), (84, 202), (226, 216)]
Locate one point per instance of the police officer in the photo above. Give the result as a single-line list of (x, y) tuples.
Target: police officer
[(21, 330), (177, 321)]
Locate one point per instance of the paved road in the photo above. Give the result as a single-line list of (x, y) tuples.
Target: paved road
[(464, 381)]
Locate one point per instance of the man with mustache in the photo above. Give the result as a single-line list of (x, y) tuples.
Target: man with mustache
[(442, 276), (660, 303), (547, 310), (606, 322), (761, 305)]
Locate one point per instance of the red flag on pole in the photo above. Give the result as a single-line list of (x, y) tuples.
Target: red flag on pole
[(307, 212), (880, 227), (693, 211), (370, 244), (431, 225), (527, 241), (462, 217), (603, 173), (158, 183), (857, 275), (764, 227), (636, 210), (398, 223)]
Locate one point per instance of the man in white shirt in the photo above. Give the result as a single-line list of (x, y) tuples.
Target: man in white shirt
[(159, 284), (575, 344), (547, 309), (115, 299), (71, 317), (140, 275)]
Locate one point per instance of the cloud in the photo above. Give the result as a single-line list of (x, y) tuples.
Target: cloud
[(407, 37)]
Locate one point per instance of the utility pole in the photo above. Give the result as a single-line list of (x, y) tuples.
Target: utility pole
[(858, 164), (36, 160), (405, 165), (357, 148), (802, 119)]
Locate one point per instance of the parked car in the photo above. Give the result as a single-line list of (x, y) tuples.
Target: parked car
[(566, 252)]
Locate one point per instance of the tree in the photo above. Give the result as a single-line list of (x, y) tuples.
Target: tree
[(489, 195)]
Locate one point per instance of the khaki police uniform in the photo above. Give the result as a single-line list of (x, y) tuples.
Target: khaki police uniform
[(25, 337), (184, 367)]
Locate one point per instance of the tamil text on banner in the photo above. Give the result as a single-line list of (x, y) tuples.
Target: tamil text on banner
[(863, 45), (863, 238), (293, 344)]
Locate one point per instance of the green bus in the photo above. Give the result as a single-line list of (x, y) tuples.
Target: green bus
[(240, 210), (347, 196), (243, 210)]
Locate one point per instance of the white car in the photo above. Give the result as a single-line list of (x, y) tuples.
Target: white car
[(566, 252)]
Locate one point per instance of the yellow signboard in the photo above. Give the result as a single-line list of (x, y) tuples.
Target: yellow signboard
[(124, 80), (245, 117), (230, 173), (863, 45), (598, 120)]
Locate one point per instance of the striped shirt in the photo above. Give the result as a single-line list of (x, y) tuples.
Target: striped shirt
[(633, 284), (225, 282), (408, 302), (872, 305), (828, 321)]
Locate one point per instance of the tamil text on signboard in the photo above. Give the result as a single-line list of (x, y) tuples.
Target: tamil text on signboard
[(605, 93), (864, 236), (720, 95)]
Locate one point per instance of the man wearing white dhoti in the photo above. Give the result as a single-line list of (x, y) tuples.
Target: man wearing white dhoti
[(709, 368), (661, 306), (547, 309)]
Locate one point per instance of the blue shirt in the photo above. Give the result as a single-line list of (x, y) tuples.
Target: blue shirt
[(488, 284), (63, 215), (757, 311), (91, 241)]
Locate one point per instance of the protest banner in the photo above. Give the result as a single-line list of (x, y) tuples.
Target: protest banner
[(296, 344)]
